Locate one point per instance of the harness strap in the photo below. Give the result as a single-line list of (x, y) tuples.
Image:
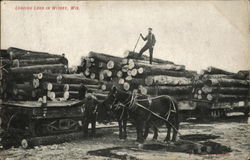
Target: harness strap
[(95, 109), (150, 105), (160, 117), (123, 108)]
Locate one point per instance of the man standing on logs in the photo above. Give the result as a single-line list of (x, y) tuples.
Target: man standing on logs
[(150, 38)]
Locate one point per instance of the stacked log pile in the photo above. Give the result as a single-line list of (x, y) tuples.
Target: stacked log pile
[(23, 70), (217, 85), (130, 73), (28, 75)]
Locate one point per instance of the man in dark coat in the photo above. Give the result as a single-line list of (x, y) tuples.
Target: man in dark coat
[(90, 113), (150, 38)]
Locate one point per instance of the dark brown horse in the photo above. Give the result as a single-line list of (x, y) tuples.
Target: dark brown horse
[(120, 113), (148, 112)]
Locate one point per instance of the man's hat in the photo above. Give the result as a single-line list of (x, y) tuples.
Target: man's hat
[(150, 28)]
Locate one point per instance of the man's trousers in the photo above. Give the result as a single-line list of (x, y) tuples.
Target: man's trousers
[(151, 49)]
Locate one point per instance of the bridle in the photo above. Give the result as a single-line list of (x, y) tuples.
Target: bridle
[(129, 102)]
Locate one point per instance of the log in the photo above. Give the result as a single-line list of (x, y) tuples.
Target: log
[(145, 72), (136, 82), (26, 91), (47, 86), (106, 86), (50, 77), (4, 54), (121, 81), (65, 95), (119, 74), (92, 76), (126, 86), (226, 90), (110, 64), (244, 73), (214, 70), (227, 82), (233, 76), (134, 55), (226, 98), (100, 96), (73, 87), (134, 72), (6, 62), (77, 79), (161, 90), (35, 83), (167, 80), (129, 78), (52, 68), (23, 77), (27, 88), (87, 72), (160, 68), (60, 87), (23, 63), (17, 53), (117, 61)]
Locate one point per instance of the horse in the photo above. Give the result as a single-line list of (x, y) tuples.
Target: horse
[(121, 114), (148, 111), (116, 110)]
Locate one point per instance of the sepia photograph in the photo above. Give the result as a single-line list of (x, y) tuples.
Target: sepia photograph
[(125, 80)]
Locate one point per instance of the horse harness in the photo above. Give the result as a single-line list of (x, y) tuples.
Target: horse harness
[(133, 104)]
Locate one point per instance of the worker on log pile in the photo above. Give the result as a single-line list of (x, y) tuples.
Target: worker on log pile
[(64, 60), (150, 38)]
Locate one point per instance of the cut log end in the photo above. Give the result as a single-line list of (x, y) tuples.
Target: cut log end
[(124, 61), (66, 95), (209, 97), (66, 87), (104, 87), (140, 70), (126, 86), (49, 86), (128, 78), (121, 81), (92, 76), (134, 72), (59, 79), (110, 64), (119, 74), (35, 83)]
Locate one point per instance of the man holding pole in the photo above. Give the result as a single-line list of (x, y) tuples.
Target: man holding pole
[(150, 38)]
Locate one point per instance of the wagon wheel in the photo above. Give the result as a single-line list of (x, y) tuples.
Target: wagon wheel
[(18, 126)]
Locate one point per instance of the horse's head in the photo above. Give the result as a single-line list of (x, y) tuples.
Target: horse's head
[(111, 99), (105, 107)]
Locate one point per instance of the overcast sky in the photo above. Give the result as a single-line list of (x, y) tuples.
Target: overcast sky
[(195, 34)]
